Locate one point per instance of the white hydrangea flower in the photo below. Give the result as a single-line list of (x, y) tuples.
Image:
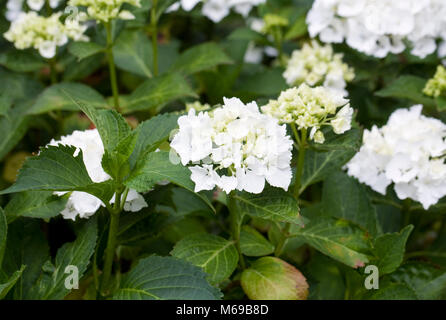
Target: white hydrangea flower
[(234, 147), (312, 108), (15, 7), (216, 10), (35, 5), (83, 204), (408, 151), (380, 27), (44, 34), (106, 10), (318, 65)]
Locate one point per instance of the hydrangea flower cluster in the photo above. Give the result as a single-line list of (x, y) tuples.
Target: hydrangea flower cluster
[(106, 10), (437, 85), (408, 151), (44, 34), (312, 108), (15, 7), (216, 10), (318, 65), (83, 204), (377, 27), (234, 147)]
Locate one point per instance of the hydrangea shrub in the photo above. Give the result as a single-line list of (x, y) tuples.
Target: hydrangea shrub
[(223, 149)]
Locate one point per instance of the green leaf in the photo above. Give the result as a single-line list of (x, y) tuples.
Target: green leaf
[(51, 285), (325, 278), (253, 244), (340, 149), (156, 167), (345, 198), (18, 86), (217, 256), (115, 162), (267, 82), (271, 278), (13, 127), (425, 281), (246, 34), (57, 169), (6, 287), (407, 87), (35, 204), (84, 50), (298, 29), (26, 245), (202, 57), (5, 105), (391, 291), (152, 133), (165, 278), (272, 204), (55, 98), (335, 238), (441, 103), (111, 125), (3, 233), (389, 249), (157, 92), (161, 220), (133, 52), (116, 135), (79, 70), (20, 61), (182, 228)]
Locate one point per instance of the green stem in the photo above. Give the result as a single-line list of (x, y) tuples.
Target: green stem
[(406, 211), (111, 65), (278, 39), (300, 163), (283, 240), (115, 213), (296, 134), (53, 72), (302, 141), (154, 24), (110, 252), (235, 221)]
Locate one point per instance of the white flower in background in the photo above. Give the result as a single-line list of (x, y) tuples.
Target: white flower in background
[(35, 5), (15, 7), (380, 27), (312, 108), (81, 203), (216, 10), (254, 54), (234, 147), (106, 10), (408, 151), (44, 34), (318, 65)]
